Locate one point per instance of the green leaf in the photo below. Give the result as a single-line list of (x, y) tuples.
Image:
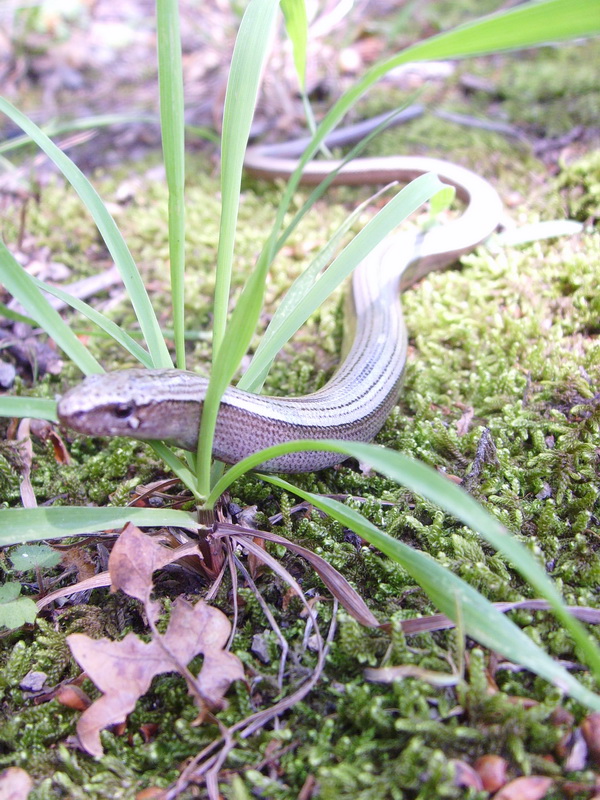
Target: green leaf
[(82, 124), (7, 312), (109, 232), (34, 407), (105, 324), (428, 483), (390, 216), (454, 597), (32, 556), (296, 23), (9, 591), (23, 288), (247, 63), (442, 200), (19, 525), (170, 81), (15, 611), (250, 51)]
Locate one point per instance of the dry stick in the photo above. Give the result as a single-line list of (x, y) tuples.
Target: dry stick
[(216, 584), (231, 559), (267, 612)]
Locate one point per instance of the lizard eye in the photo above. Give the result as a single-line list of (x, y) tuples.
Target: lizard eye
[(123, 411)]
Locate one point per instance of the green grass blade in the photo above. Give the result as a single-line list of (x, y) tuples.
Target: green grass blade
[(22, 287), (455, 598), (8, 313), (82, 124), (251, 48), (428, 483), (355, 152), (260, 364), (108, 230), (296, 24), (248, 58), (107, 325), (170, 80), (34, 407), (287, 323), (20, 525), (176, 465), (237, 336)]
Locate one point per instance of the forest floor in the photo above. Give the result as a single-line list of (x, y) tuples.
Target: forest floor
[(503, 348)]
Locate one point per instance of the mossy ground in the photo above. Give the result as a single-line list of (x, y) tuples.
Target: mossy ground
[(512, 336)]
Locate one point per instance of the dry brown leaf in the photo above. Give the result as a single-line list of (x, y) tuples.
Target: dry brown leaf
[(335, 582), (492, 771), (576, 752), (45, 431), (149, 731), (204, 629), (590, 728), (15, 784), (255, 564), (72, 697), (532, 787), (464, 423), (79, 559), (133, 559), (124, 670), (185, 551), (151, 793), (465, 775)]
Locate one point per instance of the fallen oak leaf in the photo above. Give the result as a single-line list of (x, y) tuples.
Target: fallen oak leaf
[(204, 629), (492, 770), (465, 776), (590, 728), (103, 578), (133, 559), (124, 670)]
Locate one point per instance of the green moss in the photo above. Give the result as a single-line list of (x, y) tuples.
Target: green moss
[(579, 185), (553, 89)]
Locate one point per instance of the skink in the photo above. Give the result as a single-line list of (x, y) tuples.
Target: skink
[(166, 404)]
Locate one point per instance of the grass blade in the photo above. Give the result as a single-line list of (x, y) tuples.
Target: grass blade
[(81, 124), (104, 323), (18, 525), (296, 24), (455, 598), (34, 407), (170, 80), (108, 230), (247, 63), (249, 55), (286, 324), (22, 287), (428, 483)]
